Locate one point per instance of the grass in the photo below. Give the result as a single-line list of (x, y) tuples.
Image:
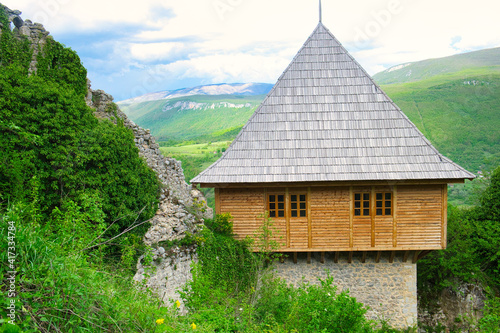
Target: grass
[(195, 149)]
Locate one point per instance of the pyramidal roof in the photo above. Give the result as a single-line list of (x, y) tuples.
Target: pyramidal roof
[(327, 120)]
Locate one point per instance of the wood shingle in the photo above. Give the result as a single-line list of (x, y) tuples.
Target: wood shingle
[(327, 120)]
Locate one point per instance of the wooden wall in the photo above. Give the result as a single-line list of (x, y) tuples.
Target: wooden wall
[(418, 220)]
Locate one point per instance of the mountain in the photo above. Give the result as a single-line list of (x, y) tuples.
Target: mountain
[(426, 69), (193, 112), (236, 89)]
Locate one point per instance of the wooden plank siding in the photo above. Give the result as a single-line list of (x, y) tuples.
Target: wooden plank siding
[(417, 222)]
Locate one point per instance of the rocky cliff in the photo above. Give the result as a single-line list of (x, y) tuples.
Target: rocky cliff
[(182, 208)]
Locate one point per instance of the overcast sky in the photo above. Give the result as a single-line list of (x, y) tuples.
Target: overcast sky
[(134, 47)]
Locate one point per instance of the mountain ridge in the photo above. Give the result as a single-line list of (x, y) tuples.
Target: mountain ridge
[(234, 89), (425, 69)]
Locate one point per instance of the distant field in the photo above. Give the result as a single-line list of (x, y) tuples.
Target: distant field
[(195, 149)]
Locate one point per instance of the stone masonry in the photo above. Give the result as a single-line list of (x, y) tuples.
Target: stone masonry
[(388, 289), (181, 210)]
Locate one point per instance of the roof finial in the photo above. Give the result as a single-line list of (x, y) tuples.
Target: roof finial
[(320, 11)]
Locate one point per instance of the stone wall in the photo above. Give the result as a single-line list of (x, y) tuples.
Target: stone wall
[(169, 271), (181, 210), (388, 289), (34, 32)]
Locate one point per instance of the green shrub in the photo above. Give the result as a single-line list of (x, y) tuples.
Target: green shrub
[(312, 308), (222, 224)]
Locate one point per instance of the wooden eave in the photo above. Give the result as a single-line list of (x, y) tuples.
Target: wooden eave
[(337, 183)]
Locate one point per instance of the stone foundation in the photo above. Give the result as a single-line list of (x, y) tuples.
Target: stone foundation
[(388, 289)]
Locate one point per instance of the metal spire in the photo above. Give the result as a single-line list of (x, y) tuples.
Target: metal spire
[(320, 11)]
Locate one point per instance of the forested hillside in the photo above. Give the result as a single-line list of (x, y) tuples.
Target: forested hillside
[(191, 117), (425, 69)]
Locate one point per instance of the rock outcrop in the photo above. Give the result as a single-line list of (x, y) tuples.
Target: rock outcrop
[(182, 207), (181, 210), (456, 309)]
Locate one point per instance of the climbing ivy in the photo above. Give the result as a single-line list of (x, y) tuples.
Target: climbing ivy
[(51, 135)]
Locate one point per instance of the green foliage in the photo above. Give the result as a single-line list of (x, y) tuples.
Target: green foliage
[(227, 262), (311, 308), (222, 224), (51, 135), (63, 290), (15, 55), (490, 199), (491, 319), (473, 242), (60, 64)]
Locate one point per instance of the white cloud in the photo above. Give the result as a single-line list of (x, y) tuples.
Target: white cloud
[(211, 41), (237, 67), (155, 51)]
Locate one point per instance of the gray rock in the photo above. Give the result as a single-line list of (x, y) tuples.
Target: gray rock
[(18, 22)]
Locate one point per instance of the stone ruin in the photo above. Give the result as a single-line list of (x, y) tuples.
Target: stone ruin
[(182, 208)]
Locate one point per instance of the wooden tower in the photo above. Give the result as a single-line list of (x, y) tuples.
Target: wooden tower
[(335, 163)]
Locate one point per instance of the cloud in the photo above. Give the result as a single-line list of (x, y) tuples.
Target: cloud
[(129, 46), (237, 67)]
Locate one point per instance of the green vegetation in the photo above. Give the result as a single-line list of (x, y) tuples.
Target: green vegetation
[(54, 145), (472, 255), (196, 149), (74, 203), (426, 69), (73, 197), (458, 113)]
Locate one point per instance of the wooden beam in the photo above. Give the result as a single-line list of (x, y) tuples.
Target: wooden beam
[(423, 254), (395, 216), (322, 260), (372, 215), (295, 257), (444, 216), (309, 221), (363, 257), (405, 256), (287, 217), (351, 216), (391, 258), (349, 259), (377, 258), (336, 257), (308, 257), (415, 256), (217, 200)]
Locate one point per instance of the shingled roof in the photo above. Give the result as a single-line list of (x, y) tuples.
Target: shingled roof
[(327, 120)]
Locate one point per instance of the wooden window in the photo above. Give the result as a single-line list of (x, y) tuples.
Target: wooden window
[(362, 204), (297, 208), (383, 203), (298, 205), (276, 205)]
